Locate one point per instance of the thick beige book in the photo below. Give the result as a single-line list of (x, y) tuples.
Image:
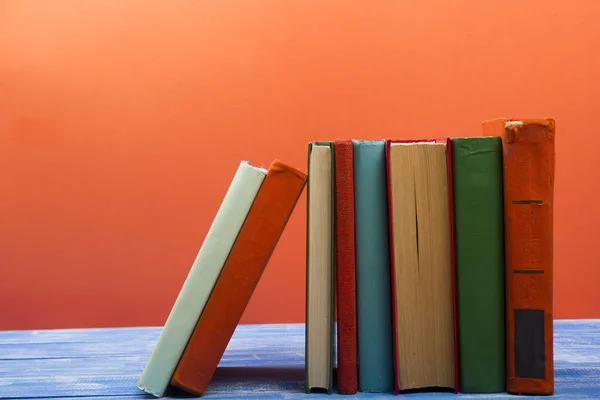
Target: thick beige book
[(319, 268), (422, 266)]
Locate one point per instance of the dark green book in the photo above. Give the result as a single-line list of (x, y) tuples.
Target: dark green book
[(479, 252)]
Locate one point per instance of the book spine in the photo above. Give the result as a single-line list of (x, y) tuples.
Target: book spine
[(373, 285), (247, 260), (449, 166), (200, 280), (307, 280), (311, 294), (345, 268), (528, 157), (393, 291), (479, 247)]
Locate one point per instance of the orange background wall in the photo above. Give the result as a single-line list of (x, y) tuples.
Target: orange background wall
[(122, 123)]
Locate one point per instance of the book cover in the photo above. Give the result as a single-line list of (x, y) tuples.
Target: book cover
[(200, 281), (320, 267), (392, 173), (528, 176), (347, 379), (247, 260), (479, 244), (373, 307)]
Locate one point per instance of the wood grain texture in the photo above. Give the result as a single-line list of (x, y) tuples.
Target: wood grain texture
[(261, 361)]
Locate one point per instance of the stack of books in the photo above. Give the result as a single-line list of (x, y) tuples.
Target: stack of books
[(433, 259), (231, 260)]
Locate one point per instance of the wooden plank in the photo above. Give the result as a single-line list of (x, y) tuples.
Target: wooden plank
[(130, 333), (272, 357), (577, 342), (131, 341), (68, 386), (73, 350), (91, 335), (260, 362), (232, 383), (127, 397), (36, 368)]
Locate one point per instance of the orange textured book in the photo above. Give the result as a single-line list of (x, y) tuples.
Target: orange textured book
[(528, 174), (249, 255)]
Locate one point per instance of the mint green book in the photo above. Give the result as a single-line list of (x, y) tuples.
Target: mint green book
[(194, 294)]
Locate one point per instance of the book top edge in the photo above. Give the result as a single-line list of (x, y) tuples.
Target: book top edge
[(247, 164), (476, 138), (280, 166), (417, 144), (547, 121), (375, 142), (321, 143)]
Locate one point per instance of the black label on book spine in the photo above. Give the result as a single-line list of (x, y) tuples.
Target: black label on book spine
[(530, 353)]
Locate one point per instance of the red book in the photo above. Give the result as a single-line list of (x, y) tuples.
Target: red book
[(447, 142), (528, 164), (347, 380), (247, 260)]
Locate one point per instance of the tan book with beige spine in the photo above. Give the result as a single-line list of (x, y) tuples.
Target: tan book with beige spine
[(422, 267), (320, 268)]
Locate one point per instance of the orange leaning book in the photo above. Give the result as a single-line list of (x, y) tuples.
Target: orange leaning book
[(247, 260)]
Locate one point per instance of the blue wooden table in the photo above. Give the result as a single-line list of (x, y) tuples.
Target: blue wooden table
[(261, 361)]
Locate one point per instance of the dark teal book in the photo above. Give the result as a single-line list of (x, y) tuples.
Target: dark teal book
[(373, 291)]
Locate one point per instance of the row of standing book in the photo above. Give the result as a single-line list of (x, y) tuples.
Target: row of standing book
[(433, 259), (434, 256)]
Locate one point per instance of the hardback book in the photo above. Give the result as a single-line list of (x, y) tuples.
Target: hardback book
[(247, 260), (422, 254), (199, 283), (345, 278), (528, 176), (373, 291), (479, 259), (320, 259)]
